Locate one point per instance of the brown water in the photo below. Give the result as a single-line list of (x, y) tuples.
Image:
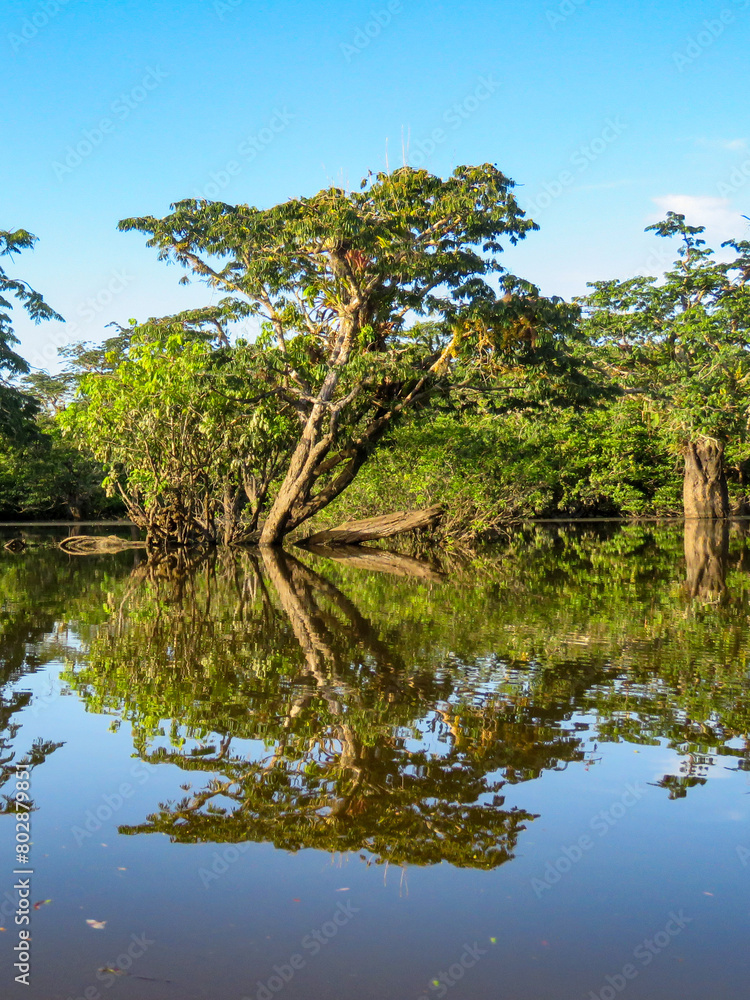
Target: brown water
[(523, 776)]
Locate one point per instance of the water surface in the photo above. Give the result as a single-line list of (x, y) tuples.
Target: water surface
[(520, 776)]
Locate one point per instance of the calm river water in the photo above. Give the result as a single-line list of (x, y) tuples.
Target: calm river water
[(524, 776)]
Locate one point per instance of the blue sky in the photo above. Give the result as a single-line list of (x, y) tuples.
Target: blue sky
[(605, 113)]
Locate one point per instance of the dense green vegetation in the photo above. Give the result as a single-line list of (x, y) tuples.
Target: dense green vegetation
[(489, 469), (371, 354), (16, 407), (40, 472)]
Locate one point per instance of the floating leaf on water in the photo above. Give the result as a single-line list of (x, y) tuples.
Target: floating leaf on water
[(97, 925), (42, 902)]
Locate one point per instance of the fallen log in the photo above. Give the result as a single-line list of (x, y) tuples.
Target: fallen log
[(86, 545), (379, 561), (372, 529)]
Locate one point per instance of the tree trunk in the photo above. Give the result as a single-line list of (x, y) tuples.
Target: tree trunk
[(312, 446), (373, 528), (705, 487), (73, 504), (299, 475)]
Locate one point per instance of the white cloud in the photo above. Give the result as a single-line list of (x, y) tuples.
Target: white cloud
[(720, 220), (731, 144)]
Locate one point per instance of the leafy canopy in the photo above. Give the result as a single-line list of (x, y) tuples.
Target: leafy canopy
[(682, 341), (370, 303), (16, 407), (164, 415)]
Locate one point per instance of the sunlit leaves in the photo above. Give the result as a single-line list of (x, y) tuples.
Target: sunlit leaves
[(336, 282), (178, 430), (683, 341)]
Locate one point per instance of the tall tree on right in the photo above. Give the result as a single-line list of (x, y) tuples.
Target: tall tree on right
[(682, 343)]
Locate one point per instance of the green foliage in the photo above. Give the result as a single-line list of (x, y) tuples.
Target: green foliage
[(674, 365), (311, 706), (43, 474), (489, 469), (397, 364), (40, 593), (16, 407), (682, 342), (169, 419), (336, 281)]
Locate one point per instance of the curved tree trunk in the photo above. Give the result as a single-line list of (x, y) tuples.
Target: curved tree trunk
[(313, 445), (74, 506), (299, 475), (705, 487)]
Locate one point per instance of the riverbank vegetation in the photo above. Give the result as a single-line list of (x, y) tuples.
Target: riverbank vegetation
[(368, 353)]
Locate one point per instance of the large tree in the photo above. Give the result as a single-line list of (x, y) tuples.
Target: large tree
[(339, 282), (16, 407), (681, 343)]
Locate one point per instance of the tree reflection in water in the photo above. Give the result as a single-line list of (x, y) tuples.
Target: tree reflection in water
[(321, 706), (706, 559), (340, 771)]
